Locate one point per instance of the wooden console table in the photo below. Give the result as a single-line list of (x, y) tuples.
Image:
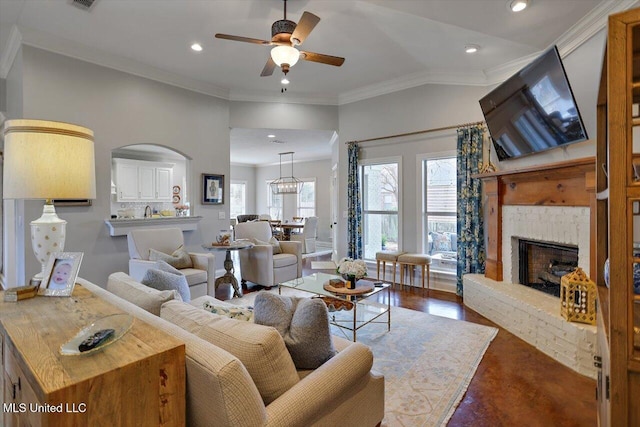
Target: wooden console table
[(570, 183), (137, 380)]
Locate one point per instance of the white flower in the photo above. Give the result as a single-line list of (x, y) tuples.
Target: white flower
[(352, 267)]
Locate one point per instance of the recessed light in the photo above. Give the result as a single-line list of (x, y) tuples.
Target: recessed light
[(471, 48), (271, 136), (518, 5), (196, 47)]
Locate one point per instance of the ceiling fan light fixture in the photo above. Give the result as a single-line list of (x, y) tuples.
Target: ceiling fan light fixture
[(471, 48), (285, 80), (518, 5), (285, 55)]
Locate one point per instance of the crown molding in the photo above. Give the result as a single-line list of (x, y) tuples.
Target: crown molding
[(411, 81), (590, 24), (10, 52), (78, 51), (254, 96)]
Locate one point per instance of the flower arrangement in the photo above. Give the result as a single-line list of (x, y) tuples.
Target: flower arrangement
[(349, 267)]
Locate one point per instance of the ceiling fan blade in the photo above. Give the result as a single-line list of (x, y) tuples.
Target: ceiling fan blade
[(268, 68), (323, 59), (243, 39), (304, 27)]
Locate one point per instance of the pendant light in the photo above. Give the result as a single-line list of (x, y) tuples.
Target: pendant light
[(286, 184)]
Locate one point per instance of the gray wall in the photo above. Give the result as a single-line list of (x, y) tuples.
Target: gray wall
[(123, 109)]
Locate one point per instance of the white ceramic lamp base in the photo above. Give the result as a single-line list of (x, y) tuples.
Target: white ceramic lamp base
[(47, 236)]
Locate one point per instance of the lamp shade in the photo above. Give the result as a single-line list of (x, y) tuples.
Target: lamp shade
[(48, 160), (285, 55)]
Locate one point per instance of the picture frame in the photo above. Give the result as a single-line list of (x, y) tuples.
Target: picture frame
[(212, 189), (60, 274)]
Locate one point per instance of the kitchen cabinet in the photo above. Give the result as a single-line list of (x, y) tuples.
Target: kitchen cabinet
[(143, 181)]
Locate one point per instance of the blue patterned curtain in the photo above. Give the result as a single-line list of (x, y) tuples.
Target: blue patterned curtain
[(354, 204), (471, 251)]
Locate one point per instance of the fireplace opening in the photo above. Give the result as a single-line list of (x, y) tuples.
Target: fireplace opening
[(542, 264)]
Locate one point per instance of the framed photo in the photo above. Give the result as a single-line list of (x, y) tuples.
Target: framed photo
[(60, 274), (212, 189)]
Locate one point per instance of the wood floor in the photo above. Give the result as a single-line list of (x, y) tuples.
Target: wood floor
[(515, 384)]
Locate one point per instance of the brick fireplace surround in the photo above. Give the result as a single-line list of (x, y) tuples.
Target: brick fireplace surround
[(552, 203)]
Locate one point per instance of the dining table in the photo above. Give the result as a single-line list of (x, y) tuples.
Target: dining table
[(288, 227)]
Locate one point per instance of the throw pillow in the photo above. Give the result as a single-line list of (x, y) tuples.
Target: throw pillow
[(179, 258), (260, 349), (143, 296), (273, 242), (302, 322), (238, 313), (441, 242), (164, 280)]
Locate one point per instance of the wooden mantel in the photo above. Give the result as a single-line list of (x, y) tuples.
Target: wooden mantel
[(570, 183)]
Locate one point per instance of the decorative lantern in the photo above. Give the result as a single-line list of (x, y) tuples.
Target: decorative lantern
[(578, 297)]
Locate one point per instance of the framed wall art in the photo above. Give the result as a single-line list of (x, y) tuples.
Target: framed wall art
[(212, 189), (60, 274)]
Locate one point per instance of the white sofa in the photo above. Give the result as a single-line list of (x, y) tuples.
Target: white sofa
[(220, 391), (259, 264), (201, 277)]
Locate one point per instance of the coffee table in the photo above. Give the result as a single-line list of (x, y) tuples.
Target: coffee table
[(364, 311)]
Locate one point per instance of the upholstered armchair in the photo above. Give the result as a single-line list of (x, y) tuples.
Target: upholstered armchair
[(261, 264), (201, 277), (308, 235)]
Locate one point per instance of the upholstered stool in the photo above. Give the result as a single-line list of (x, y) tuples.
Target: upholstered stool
[(384, 257), (410, 261)]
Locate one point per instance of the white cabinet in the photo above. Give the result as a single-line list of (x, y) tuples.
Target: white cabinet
[(138, 180)]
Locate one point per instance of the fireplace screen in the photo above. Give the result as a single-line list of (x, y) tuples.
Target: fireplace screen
[(542, 264)]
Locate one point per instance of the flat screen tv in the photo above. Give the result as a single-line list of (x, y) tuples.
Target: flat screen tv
[(534, 110)]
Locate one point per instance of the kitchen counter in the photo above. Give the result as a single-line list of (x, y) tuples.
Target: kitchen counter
[(121, 226)]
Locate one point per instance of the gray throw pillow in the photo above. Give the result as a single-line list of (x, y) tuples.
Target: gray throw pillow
[(179, 258), (303, 324), (165, 280)]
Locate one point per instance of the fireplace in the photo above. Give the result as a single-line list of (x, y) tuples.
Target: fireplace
[(541, 265)]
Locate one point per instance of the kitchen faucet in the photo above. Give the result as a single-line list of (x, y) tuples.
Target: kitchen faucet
[(145, 211)]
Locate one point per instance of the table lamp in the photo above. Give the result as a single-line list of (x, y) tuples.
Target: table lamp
[(48, 160)]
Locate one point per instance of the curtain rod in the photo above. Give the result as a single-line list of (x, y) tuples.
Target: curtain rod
[(415, 133)]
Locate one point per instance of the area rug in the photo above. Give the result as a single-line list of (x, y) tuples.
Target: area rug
[(323, 265), (427, 361)]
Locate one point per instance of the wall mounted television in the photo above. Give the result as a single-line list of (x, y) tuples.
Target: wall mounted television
[(534, 110)]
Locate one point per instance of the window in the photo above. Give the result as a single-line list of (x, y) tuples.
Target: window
[(238, 198), (274, 203), (439, 211), (306, 202), (380, 201)]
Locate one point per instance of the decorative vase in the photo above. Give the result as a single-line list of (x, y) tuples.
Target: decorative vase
[(351, 281)]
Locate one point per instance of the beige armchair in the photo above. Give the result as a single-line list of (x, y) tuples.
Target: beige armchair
[(201, 277), (259, 264), (308, 235)]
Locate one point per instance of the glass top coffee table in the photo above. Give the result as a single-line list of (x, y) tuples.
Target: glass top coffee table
[(363, 311)]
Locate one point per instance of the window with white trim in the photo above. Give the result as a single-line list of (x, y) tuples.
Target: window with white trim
[(440, 238), (238, 198), (380, 201), (274, 203), (306, 199)]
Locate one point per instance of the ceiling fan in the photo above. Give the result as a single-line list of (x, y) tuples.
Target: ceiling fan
[(285, 36)]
